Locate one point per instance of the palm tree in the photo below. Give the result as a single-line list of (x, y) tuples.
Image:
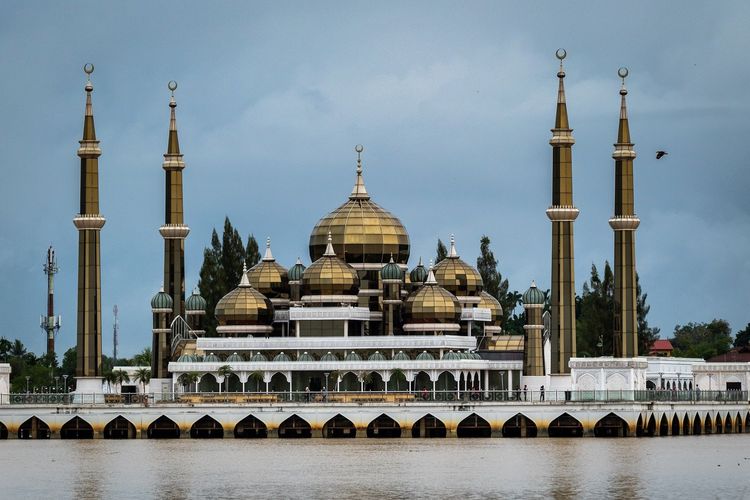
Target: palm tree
[(190, 378), (225, 371), (143, 375), (120, 377), (398, 376), (258, 378), (18, 350), (109, 377)]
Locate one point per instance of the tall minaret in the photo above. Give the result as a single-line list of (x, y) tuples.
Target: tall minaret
[(174, 231), (624, 223), (89, 223), (562, 213)]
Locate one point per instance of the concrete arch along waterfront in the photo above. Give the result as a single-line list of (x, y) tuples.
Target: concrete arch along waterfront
[(206, 428), (163, 428), (519, 425), (651, 428), (294, 427), (119, 428), (429, 427), (250, 428), (708, 427), (728, 424), (697, 425), (383, 427), (639, 430), (718, 424), (675, 425), (747, 422), (738, 427), (34, 428), (664, 425), (611, 425), (565, 426), (3, 431), (474, 426), (76, 428), (686, 427), (339, 427)]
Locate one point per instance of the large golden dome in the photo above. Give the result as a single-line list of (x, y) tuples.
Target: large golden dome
[(491, 303), (269, 277), (457, 276), (244, 306), (431, 304), (363, 232), (330, 276)]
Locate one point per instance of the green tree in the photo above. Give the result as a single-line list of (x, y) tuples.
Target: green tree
[(5, 347), (646, 335), (702, 340), (120, 377), (143, 358), (212, 282), (143, 376), (252, 254), (18, 350), (595, 317), (232, 254), (498, 287), (225, 371), (70, 358), (442, 252), (743, 337)]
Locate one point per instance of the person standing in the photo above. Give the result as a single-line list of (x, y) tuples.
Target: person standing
[(541, 393), (525, 389)]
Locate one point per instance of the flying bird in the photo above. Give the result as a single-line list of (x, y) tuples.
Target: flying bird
[(659, 154)]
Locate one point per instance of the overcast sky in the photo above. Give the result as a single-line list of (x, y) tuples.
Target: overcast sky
[(452, 101)]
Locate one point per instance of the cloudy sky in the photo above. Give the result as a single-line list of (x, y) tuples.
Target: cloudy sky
[(452, 101)]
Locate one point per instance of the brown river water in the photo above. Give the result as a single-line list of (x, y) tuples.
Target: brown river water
[(716, 466)]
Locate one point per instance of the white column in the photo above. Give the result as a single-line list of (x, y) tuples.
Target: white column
[(296, 328), (510, 381), (486, 381), (346, 328)]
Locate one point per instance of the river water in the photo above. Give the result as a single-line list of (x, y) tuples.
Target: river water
[(686, 467)]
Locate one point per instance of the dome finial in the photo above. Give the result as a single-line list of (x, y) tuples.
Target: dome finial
[(533, 283), (359, 192), (430, 276), (452, 254), (329, 248), (623, 132), (268, 257), (244, 282)]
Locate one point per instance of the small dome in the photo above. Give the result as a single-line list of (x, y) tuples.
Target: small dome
[(476, 355), (401, 356), (296, 272), (235, 358), (281, 358), (425, 356), (451, 356), (431, 303), (269, 277), (305, 357), (376, 356), (330, 275), (161, 301), (186, 358), (418, 275), (489, 302), (259, 357), (329, 356), (391, 271), (353, 356), (533, 295), (244, 306), (458, 277), (211, 358), (195, 303)]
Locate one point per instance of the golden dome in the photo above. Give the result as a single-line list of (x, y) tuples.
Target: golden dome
[(244, 306), (269, 277), (431, 303), (457, 276), (362, 231), (491, 303), (330, 275)]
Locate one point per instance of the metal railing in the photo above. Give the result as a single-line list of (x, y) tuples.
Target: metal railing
[(516, 396)]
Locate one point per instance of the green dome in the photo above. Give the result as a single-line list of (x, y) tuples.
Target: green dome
[(195, 302), (258, 357), (161, 300), (329, 356), (418, 275), (281, 358), (186, 358), (353, 356), (391, 271), (401, 356), (211, 358), (475, 355), (533, 295), (425, 356), (235, 358), (451, 356), (305, 357), (376, 356), (296, 272)]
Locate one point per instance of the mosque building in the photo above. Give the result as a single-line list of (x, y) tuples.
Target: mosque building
[(357, 317)]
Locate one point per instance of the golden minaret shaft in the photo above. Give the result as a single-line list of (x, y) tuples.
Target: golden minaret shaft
[(562, 213), (89, 223), (174, 231), (624, 223)]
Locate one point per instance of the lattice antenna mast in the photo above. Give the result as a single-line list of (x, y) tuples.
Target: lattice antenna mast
[(50, 323), (115, 333)]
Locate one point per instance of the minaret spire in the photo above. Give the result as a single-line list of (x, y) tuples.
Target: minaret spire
[(562, 213), (89, 223), (359, 192), (624, 224)]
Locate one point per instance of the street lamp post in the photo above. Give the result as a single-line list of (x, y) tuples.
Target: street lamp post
[(57, 379), (65, 381), (600, 345), (27, 383)]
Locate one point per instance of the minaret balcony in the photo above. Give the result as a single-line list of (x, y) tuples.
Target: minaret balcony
[(173, 162), (562, 137), (89, 149), (624, 151), (624, 223), (89, 222), (174, 231), (562, 213)]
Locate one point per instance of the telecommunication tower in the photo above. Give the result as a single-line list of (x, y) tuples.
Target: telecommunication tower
[(50, 323), (115, 332)]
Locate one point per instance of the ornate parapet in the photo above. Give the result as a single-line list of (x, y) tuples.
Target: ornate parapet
[(562, 137), (89, 149), (174, 231), (624, 222), (623, 151), (89, 222), (558, 213)]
